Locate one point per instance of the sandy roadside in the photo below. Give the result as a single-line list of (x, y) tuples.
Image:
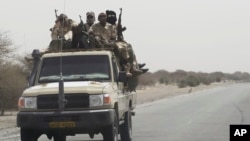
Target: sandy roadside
[(150, 94), (146, 95)]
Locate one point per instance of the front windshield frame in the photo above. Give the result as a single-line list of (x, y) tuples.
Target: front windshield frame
[(75, 68)]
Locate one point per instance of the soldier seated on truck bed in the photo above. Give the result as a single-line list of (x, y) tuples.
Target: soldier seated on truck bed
[(67, 34), (61, 30), (123, 46), (106, 36), (101, 35)]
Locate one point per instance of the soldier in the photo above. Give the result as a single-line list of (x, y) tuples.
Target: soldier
[(62, 30), (90, 20), (125, 50), (103, 31)]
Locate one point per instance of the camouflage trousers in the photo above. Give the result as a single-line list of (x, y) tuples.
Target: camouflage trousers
[(57, 45), (128, 61)]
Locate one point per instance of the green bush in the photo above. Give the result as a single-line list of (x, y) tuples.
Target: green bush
[(191, 81), (163, 81), (182, 84), (218, 79), (205, 80)]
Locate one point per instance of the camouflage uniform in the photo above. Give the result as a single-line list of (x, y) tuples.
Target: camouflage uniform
[(62, 30), (124, 49), (106, 33), (103, 32)]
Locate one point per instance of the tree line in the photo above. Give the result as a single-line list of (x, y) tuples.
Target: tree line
[(14, 71), (189, 78)]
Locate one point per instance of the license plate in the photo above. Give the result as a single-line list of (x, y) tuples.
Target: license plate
[(67, 124)]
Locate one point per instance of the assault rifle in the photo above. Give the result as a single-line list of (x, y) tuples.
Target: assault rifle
[(120, 29), (56, 13), (81, 24), (56, 18)]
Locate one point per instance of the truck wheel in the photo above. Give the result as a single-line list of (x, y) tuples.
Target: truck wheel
[(110, 133), (29, 135), (126, 127), (58, 137)]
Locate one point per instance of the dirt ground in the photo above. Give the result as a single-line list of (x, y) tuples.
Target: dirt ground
[(150, 94), (145, 95), (8, 120)]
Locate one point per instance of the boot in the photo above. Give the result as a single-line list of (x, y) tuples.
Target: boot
[(141, 65), (136, 71), (144, 70)]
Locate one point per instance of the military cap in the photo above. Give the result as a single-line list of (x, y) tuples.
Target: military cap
[(101, 14), (90, 13), (62, 17)]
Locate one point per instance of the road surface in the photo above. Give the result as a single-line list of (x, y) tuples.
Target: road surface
[(201, 116)]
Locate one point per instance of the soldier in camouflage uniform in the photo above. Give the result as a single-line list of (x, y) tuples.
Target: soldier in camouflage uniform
[(105, 35), (102, 31), (125, 50), (62, 31)]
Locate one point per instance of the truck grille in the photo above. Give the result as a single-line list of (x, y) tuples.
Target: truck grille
[(73, 101)]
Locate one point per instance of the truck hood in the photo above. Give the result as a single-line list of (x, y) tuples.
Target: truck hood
[(90, 87)]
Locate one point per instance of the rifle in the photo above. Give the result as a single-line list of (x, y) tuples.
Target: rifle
[(56, 18), (81, 24), (56, 13), (119, 27)]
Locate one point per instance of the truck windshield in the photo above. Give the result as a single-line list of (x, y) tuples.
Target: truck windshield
[(75, 68)]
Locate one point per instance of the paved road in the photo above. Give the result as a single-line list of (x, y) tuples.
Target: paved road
[(200, 116)]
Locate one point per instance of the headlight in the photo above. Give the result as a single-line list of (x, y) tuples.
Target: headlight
[(99, 100), (27, 102), (95, 100)]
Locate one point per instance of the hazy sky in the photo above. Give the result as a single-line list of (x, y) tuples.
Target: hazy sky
[(192, 35)]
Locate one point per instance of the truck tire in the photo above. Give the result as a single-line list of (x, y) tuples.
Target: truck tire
[(29, 135), (126, 127), (110, 133)]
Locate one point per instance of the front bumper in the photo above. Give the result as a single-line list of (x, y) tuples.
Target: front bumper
[(83, 121)]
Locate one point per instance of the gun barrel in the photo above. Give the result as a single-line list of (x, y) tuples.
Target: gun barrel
[(56, 13)]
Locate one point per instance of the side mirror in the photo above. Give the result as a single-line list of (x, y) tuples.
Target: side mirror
[(122, 77), (36, 54)]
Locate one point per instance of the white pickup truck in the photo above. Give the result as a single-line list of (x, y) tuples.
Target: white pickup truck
[(76, 92)]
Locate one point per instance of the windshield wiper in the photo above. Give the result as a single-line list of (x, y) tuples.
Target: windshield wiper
[(53, 78)]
